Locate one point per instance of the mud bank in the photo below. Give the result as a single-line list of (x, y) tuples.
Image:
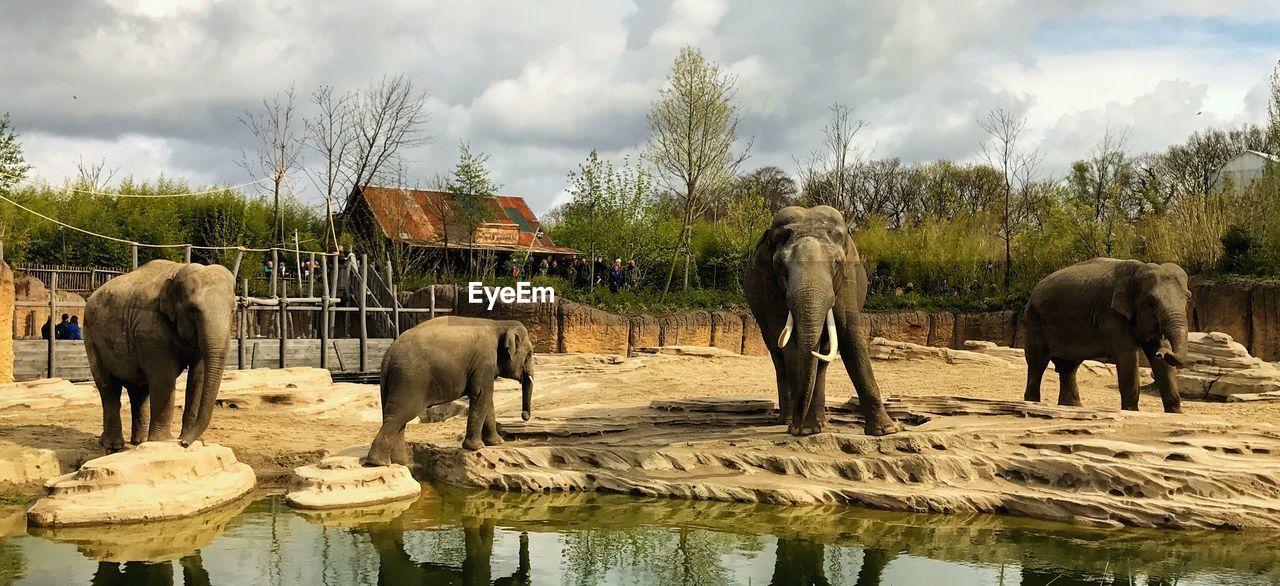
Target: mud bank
[(957, 455)]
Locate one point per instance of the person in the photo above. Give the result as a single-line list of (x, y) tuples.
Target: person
[(615, 276), (554, 270), (945, 289), (633, 274), (60, 330), (571, 272), (44, 329), (601, 270), (910, 288), (267, 267), (543, 267), (72, 329)]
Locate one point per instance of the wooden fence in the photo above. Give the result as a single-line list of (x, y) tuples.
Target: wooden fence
[(73, 279), (46, 358)]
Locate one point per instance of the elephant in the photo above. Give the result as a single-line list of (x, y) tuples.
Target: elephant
[(805, 277), (1108, 308), (142, 329), (441, 360)]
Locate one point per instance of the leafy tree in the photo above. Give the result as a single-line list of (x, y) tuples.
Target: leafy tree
[(471, 188), (13, 167), (693, 131), (778, 189)]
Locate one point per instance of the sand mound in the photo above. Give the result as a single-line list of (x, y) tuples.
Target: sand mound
[(152, 482), (48, 393), (958, 455), (340, 481)]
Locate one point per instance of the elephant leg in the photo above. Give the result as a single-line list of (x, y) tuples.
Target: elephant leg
[(1166, 381), (857, 362), (161, 392), (784, 386), (1037, 361), (490, 432), (112, 438), (480, 404), (1068, 392), (1127, 377), (139, 413), (389, 446)]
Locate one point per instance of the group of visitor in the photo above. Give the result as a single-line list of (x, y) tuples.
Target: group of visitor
[(67, 329), (580, 272), (305, 269)]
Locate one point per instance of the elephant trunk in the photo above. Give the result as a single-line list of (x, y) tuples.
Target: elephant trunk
[(811, 311), (213, 351), (1173, 350), (526, 396)]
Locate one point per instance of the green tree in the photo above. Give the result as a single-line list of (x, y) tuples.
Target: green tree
[(13, 167), (471, 188), (693, 131), (1273, 113)]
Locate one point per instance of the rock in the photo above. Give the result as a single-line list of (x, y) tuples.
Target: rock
[(1220, 368), (1222, 305), (717, 405), (703, 351), (158, 541), (340, 482), (942, 328), (586, 329), (998, 327), (152, 482), (445, 412), (726, 331), (354, 517), (302, 390), (7, 299), (48, 393), (1264, 314), (686, 329), (645, 331), (882, 349), (22, 464), (752, 341), (908, 326)]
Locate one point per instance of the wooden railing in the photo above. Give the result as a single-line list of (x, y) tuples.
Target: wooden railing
[(74, 279)]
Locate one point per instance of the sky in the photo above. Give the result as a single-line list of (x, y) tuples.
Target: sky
[(155, 87)]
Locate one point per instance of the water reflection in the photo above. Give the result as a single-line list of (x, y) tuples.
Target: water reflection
[(450, 536)]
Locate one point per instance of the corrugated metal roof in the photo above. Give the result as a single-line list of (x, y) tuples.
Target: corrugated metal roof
[(415, 216)]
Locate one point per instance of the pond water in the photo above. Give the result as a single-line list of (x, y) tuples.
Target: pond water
[(453, 536)]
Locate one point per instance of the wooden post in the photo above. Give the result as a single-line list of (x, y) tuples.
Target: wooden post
[(433, 301), (364, 313), (275, 269), (333, 319), (135, 255), (297, 259), (244, 325), (186, 254), (311, 276), (324, 317), (239, 257), (283, 328), (395, 302), (53, 313)]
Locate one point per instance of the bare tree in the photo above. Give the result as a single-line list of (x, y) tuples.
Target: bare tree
[(830, 171), (693, 131), (1103, 182), (1017, 167), (331, 134), (94, 176), (390, 116), (277, 149)]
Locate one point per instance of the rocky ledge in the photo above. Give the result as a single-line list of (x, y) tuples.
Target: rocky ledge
[(341, 482), (152, 482), (956, 455)]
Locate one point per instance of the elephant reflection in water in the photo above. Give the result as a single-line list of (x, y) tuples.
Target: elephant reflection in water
[(149, 574), (396, 567), (800, 562)]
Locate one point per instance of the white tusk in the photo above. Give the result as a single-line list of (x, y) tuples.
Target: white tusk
[(785, 336), (831, 335)]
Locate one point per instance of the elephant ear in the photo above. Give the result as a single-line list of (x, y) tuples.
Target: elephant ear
[(1122, 297), (168, 302), (510, 341)]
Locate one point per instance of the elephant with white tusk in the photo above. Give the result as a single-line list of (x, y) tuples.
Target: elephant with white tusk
[(142, 329), (1108, 308), (806, 285)]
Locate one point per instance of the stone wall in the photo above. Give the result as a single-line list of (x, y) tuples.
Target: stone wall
[(6, 322), (1246, 309)]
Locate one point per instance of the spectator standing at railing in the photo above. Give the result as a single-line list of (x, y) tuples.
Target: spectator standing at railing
[(72, 329), (60, 331), (267, 267)]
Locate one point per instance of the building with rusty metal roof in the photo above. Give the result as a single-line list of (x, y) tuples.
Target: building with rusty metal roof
[(418, 217)]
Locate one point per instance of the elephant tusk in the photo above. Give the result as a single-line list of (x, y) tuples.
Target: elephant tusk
[(785, 336), (831, 335)]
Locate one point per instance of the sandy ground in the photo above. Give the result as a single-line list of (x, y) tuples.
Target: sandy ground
[(291, 428)]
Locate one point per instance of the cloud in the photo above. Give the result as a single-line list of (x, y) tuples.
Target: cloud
[(157, 87)]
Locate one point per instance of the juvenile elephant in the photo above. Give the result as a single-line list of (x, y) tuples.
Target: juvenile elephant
[(1108, 308), (806, 285), (142, 329), (442, 360)]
